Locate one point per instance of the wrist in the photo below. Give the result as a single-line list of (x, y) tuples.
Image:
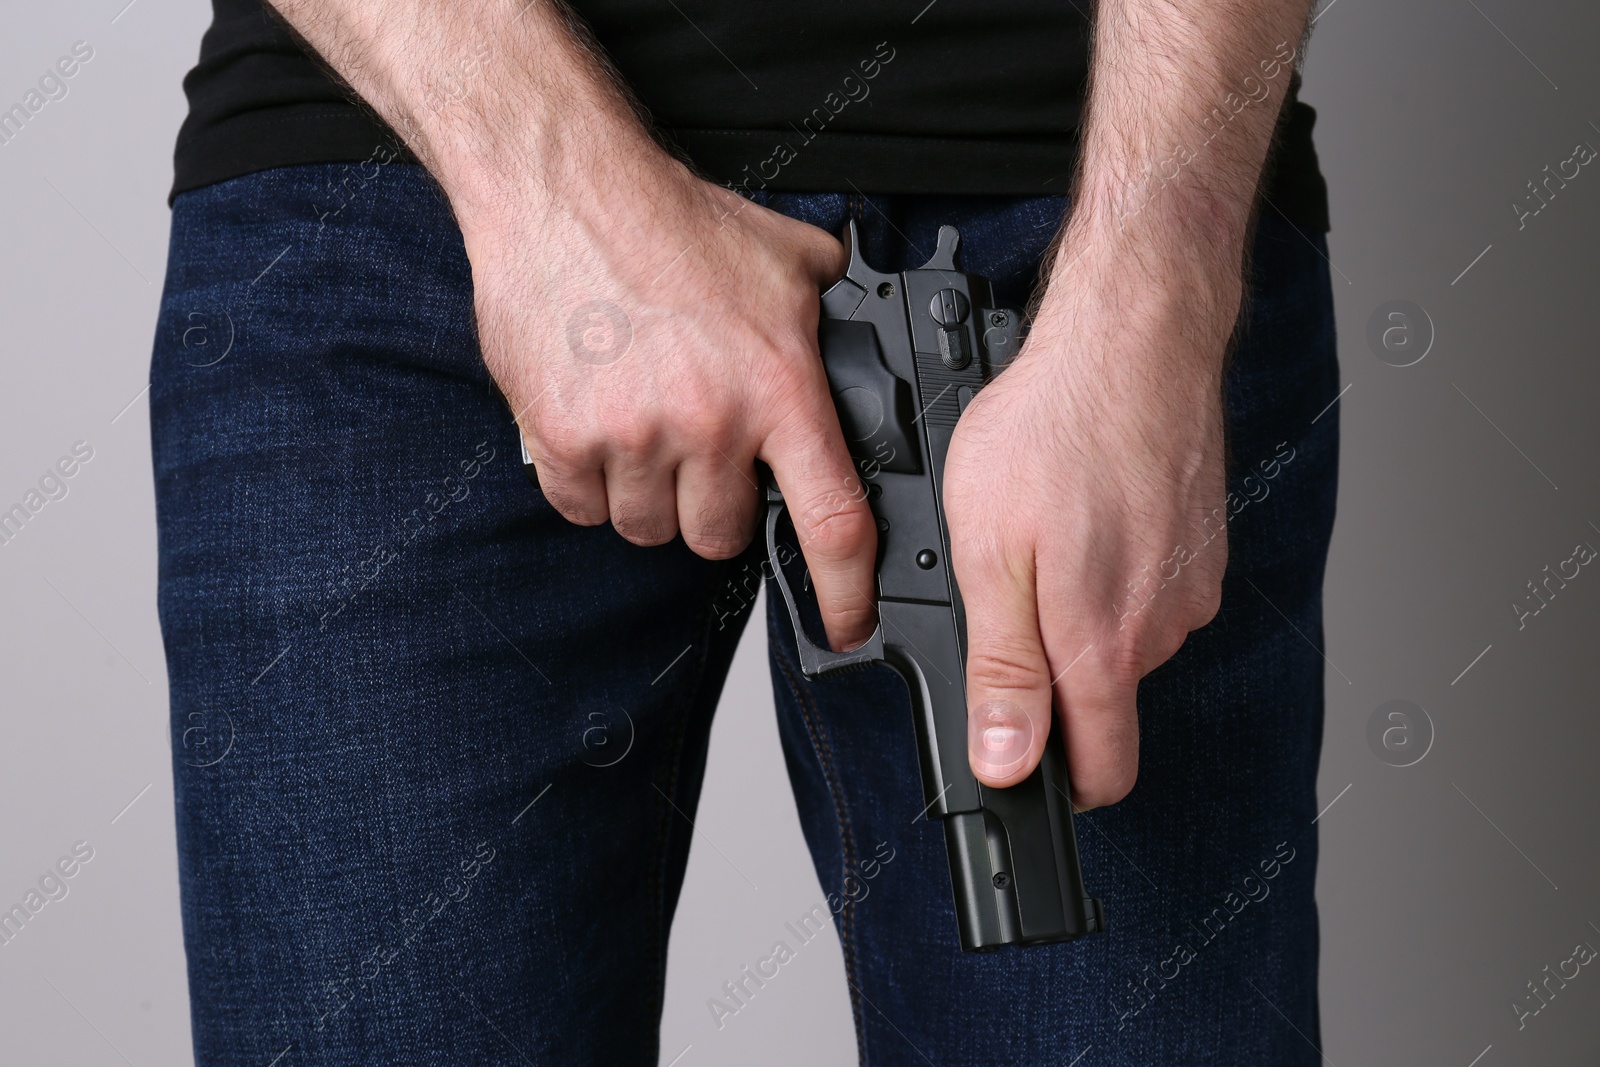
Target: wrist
[(533, 168), (1179, 230), (519, 123), (1146, 326), (1115, 283)]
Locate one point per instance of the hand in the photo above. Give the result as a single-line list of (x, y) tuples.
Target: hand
[(1083, 490), (654, 342), (655, 334)]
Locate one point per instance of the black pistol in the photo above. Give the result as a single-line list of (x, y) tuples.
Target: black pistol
[(904, 355)]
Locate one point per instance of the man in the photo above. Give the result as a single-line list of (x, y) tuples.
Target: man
[(467, 719)]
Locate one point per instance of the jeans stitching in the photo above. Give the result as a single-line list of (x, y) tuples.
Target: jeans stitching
[(658, 863), (824, 751)]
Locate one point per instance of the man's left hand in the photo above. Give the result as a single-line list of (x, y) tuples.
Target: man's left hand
[(1084, 491)]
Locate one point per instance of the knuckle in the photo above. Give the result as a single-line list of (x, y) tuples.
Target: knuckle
[(576, 509), (709, 424), (1207, 605), (796, 390), (632, 438), (1000, 664), (835, 527), (573, 504), (796, 349), (716, 533), (1115, 670), (567, 507), (573, 499), (1125, 665), (628, 431), (824, 252), (854, 610), (1147, 640), (715, 545), (563, 440), (1170, 641), (640, 526)]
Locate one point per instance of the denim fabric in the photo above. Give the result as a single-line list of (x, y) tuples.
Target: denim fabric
[(411, 827)]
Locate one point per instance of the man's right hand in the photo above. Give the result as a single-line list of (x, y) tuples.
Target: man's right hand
[(653, 350), (654, 334)]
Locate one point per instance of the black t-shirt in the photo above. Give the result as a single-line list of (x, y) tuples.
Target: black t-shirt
[(955, 96)]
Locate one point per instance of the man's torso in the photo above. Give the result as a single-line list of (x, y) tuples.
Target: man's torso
[(948, 97)]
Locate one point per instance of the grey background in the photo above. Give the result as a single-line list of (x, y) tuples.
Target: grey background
[(1444, 886)]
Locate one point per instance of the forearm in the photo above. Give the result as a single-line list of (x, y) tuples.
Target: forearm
[(1184, 97), (501, 99), (654, 335)]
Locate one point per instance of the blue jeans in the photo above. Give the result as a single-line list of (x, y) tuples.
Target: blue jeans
[(409, 831)]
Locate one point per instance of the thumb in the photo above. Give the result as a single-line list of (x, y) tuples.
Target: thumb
[(1008, 675)]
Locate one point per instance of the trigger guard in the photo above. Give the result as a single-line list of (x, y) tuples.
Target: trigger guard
[(815, 660)]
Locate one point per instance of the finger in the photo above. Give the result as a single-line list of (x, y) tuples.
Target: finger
[(1008, 676), (1099, 711), (716, 505), (827, 503), (577, 493), (643, 500), (828, 260)]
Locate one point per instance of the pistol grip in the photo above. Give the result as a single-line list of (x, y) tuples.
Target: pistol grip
[(904, 355)]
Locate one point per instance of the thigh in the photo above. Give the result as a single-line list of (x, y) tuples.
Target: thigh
[(435, 748), (1207, 869)]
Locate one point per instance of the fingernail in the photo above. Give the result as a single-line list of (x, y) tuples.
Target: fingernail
[(1002, 736), (852, 645)]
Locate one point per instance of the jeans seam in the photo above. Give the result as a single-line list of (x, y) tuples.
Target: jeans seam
[(824, 751), (658, 862)]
